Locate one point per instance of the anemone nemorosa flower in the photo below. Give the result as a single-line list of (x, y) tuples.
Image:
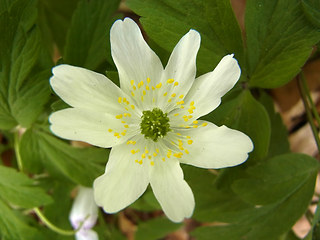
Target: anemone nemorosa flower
[(151, 121), (84, 214)]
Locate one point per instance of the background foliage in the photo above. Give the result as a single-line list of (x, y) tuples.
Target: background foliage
[(258, 200)]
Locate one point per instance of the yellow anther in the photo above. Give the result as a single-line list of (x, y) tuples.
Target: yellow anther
[(176, 114), (192, 103), (126, 108), (179, 134), (190, 116), (195, 122), (159, 85), (133, 142), (140, 84), (155, 154), (148, 80), (149, 157), (134, 87), (204, 124), (178, 155), (142, 98), (186, 151), (176, 84), (132, 94), (190, 141), (181, 96), (109, 130), (144, 92), (190, 111), (170, 80), (119, 116), (140, 162), (137, 161), (126, 126), (188, 137), (116, 134), (119, 99), (169, 154), (157, 150), (132, 106), (123, 121), (146, 151), (124, 133), (165, 94), (170, 100), (152, 163), (143, 155), (180, 102), (173, 95), (182, 107), (192, 107), (147, 87), (153, 88), (132, 82), (195, 126), (133, 151), (163, 159)]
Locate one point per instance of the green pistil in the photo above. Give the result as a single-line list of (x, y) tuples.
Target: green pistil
[(154, 124)]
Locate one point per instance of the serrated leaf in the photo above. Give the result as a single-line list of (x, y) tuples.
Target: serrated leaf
[(167, 21), (80, 165), (270, 221), (12, 227), (23, 90), (87, 41), (246, 114), (18, 189), (278, 43)]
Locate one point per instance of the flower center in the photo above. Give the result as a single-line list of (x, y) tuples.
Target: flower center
[(154, 124)]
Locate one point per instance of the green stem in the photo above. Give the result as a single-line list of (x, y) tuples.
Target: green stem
[(52, 226), (304, 95), (37, 210), (312, 105), (17, 150)]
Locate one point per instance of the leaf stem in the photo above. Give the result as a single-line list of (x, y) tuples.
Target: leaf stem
[(305, 94), (37, 210), (51, 225)]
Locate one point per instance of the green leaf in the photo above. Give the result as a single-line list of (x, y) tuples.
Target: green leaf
[(54, 21), (88, 37), (278, 43), (275, 179), (275, 218), (279, 143), (12, 226), (246, 114), (166, 21), (156, 228), (18, 189), (80, 165), (311, 9), (23, 91)]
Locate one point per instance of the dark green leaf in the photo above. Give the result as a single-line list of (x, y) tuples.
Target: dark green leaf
[(88, 37), (279, 41), (311, 9), (156, 228), (270, 221), (167, 21), (18, 189), (247, 115), (80, 165), (12, 227)]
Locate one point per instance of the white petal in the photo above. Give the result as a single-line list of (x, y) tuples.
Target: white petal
[(91, 127), (124, 181), (207, 90), (171, 190), (216, 147), (83, 88), (181, 68), (86, 235), (134, 59), (84, 209)]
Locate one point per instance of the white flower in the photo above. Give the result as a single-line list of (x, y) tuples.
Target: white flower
[(151, 121), (84, 214)]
